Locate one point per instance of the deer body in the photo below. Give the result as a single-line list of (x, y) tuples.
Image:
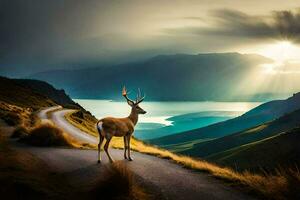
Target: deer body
[(119, 127), (116, 126)]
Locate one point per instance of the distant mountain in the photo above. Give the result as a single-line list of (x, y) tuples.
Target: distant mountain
[(165, 77), (261, 114), (32, 94)]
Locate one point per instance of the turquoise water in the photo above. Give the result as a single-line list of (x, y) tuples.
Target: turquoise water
[(165, 118)]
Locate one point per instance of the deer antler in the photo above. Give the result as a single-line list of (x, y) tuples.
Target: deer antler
[(139, 97), (124, 93)]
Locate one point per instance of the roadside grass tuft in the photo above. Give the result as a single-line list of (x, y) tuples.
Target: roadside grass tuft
[(119, 184), (46, 134), (14, 115)]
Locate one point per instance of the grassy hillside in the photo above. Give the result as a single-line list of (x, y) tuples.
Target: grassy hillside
[(261, 114), (20, 99), (282, 124), (33, 94), (279, 151), (14, 115), (44, 88), (14, 93)]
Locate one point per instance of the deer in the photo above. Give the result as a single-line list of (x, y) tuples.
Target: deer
[(110, 127)]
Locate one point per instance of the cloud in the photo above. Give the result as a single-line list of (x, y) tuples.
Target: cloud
[(287, 23), (282, 25)]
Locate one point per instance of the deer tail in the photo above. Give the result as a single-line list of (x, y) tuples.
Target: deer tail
[(99, 126)]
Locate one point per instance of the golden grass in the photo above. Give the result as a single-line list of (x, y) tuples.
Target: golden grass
[(255, 129), (272, 186), (14, 115), (83, 121), (47, 134)]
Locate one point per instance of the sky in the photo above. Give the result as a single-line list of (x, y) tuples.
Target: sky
[(40, 35)]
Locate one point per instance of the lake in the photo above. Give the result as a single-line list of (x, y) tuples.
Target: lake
[(166, 118)]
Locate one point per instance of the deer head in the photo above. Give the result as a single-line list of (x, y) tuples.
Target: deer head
[(134, 104)]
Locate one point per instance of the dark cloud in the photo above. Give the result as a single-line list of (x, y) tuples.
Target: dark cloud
[(284, 25), (287, 23), (37, 32), (41, 35)]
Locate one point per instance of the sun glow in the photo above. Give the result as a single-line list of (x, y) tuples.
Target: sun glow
[(279, 75), (285, 55), (281, 51)]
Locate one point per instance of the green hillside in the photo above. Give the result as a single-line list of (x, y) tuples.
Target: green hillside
[(279, 151), (266, 145), (282, 124)]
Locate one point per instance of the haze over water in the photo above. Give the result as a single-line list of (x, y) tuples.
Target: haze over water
[(165, 118)]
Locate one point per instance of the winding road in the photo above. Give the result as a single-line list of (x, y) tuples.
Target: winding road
[(59, 120), (170, 180)]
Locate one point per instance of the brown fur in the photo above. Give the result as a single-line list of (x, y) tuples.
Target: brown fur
[(119, 127)]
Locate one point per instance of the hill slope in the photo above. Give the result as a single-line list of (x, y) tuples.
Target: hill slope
[(165, 77), (33, 93), (261, 114), (44, 88), (19, 99), (281, 150), (14, 93), (282, 124)]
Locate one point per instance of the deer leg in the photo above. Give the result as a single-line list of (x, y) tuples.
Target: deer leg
[(125, 147), (106, 148), (128, 143), (101, 138)]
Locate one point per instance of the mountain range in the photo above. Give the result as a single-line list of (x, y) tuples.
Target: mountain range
[(179, 77)]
